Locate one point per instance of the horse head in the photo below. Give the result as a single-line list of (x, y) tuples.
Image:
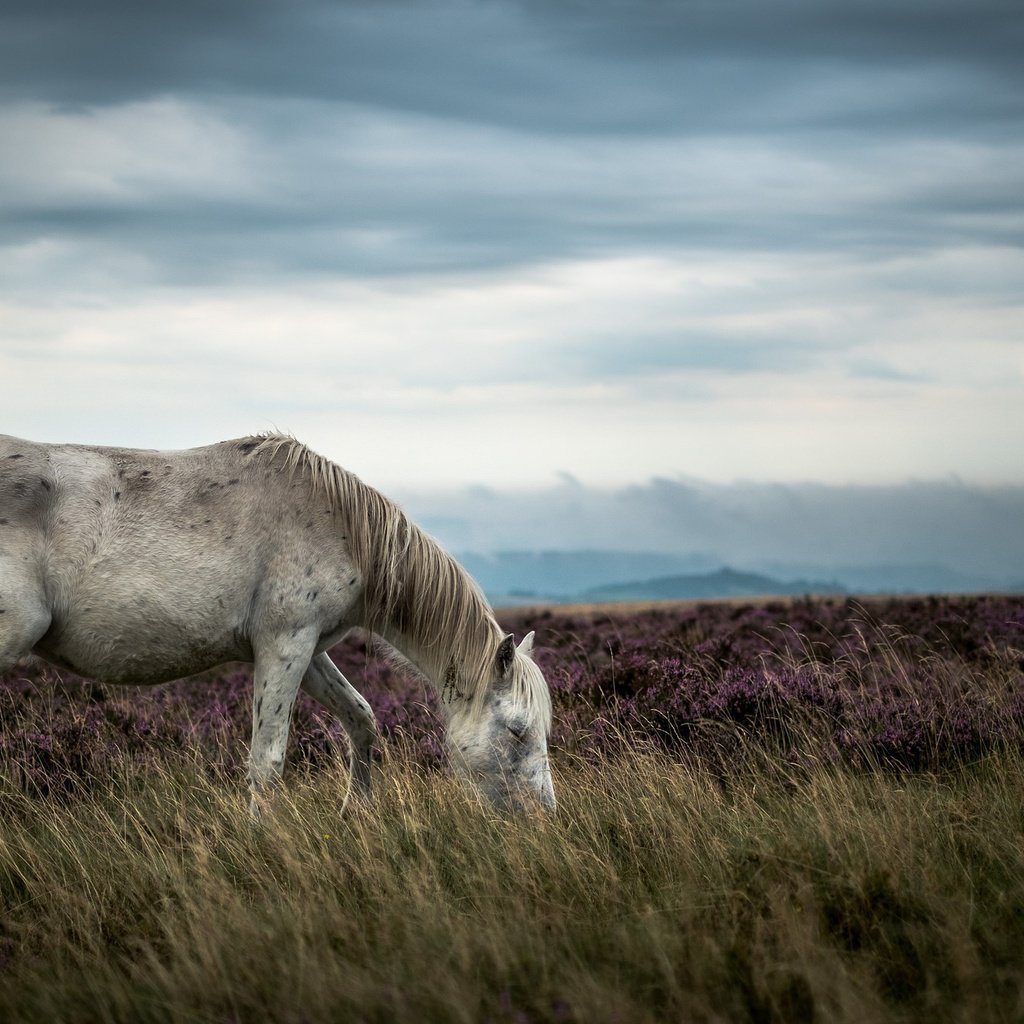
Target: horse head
[(498, 737)]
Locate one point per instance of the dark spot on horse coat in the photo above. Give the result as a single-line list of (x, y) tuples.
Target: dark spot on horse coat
[(247, 446), (117, 495), (15, 456), (259, 705), (145, 472), (279, 706), (3, 522), (233, 481), (46, 485)]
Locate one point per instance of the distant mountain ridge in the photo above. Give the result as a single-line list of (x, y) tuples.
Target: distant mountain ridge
[(725, 582), (566, 574), (593, 576)]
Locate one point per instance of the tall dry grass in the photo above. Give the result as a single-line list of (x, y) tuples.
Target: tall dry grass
[(657, 892)]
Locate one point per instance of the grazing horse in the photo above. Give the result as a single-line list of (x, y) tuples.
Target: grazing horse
[(132, 566)]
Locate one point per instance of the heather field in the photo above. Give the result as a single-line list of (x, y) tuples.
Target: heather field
[(769, 811)]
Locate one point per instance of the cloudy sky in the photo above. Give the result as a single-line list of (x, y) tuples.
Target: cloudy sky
[(515, 243)]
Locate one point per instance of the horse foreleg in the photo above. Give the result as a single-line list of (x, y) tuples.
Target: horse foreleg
[(277, 673), (24, 616), (325, 684)]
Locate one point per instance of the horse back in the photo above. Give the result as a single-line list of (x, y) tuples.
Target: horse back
[(26, 483)]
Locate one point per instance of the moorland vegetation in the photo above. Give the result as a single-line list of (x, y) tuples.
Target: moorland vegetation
[(769, 811)]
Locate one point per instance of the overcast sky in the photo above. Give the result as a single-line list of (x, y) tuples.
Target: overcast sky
[(467, 242)]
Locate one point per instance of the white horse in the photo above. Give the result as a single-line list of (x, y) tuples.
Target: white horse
[(132, 566)]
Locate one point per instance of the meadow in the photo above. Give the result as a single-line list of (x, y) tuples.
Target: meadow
[(807, 810)]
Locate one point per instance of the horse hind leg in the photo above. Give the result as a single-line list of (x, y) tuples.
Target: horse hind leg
[(24, 617), (325, 684), (279, 666)]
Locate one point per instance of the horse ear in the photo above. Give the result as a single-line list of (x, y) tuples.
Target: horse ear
[(506, 652), (526, 645)]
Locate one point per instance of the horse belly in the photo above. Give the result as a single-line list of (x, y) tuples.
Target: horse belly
[(146, 635)]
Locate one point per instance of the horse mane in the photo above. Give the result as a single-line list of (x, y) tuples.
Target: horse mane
[(412, 584)]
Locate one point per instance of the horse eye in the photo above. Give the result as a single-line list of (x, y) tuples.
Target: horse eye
[(518, 731)]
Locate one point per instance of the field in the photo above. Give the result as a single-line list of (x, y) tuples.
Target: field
[(775, 811)]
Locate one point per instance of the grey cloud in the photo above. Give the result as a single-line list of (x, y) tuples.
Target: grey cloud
[(457, 202), (564, 67), (527, 133)]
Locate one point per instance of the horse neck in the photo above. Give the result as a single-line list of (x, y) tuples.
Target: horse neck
[(425, 605), (457, 655), (417, 654), (433, 657)]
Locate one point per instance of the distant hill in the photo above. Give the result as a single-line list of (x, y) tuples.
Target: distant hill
[(893, 578), (563, 575), (724, 582)]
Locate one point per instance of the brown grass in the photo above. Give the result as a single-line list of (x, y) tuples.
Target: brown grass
[(655, 893)]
